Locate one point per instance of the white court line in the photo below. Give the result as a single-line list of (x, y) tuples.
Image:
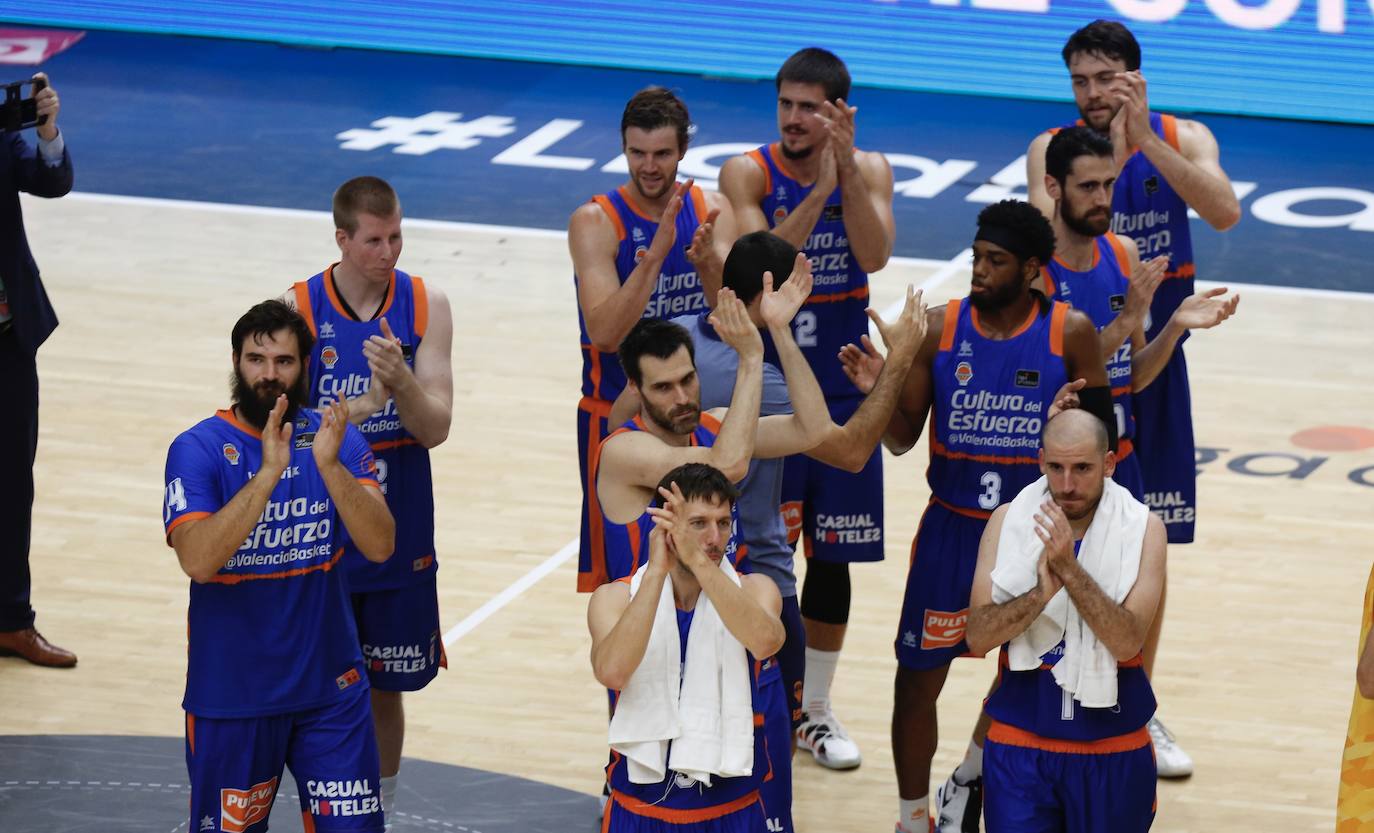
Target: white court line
[(946, 268), (508, 595)]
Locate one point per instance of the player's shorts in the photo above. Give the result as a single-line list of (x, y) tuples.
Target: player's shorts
[(938, 585), (1028, 790), (1165, 445), (838, 516), (776, 791), (1127, 474), (792, 657), (625, 815), (235, 766), (593, 424), (403, 648)]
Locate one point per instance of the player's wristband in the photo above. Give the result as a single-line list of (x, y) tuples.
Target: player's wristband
[(1098, 402)]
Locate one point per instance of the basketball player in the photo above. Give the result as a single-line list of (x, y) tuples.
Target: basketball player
[(991, 366), (383, 341), (256, 499), (1355, 800), (1100, 273), (1167, 166), (1053, 761), (652, 248), (687, 549), (815, 190)]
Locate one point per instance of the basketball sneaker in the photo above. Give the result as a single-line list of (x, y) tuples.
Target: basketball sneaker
[(822, 735), (1170, 758), (959, 807)]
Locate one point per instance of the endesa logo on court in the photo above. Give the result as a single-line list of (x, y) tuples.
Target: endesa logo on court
[(943, 628), (240, 809)]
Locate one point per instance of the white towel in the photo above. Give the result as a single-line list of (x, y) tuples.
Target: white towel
[(1110, 553), (703, 705)]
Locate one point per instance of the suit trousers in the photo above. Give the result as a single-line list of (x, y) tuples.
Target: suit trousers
[(18, 448)]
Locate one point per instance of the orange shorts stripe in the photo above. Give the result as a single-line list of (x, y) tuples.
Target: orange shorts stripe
[(653, 811), (1011, 736)]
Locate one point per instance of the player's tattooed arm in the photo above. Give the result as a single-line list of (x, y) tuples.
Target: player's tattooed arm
[(991, 624)]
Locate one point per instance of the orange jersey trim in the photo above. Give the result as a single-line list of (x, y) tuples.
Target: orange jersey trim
[(699, 201), (624, 191), (421, 300), (368, 481), (307, 822), (338, 304), (1122, 391), (589, 581), (1124, 448), (1048, 280), (1025, 325), (191, 732), (1011, 736), (860, 293), (767, 174), (605, 203), (303, 307), (1057, 316), (189, 516), (936, 447), (672, 816), (1170, 126), (709, 422), (1188, 270), (775, 153), (1119, 249), (227, 414), (951, 324), (1097, 258), (299, 571)]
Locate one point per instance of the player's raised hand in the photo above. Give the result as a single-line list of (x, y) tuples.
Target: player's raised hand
[(666, 235), (329, 436), (703, 247), (661, 557), (1141, 288), (385, 358), (1128, 92), (829, 176), (48, 106), (1065, 398), (276, 440), (903, 336), (862, 364), (838, 118), (779, 307), (682, 541), (731, 320), (1053, 529), (1205, 310)]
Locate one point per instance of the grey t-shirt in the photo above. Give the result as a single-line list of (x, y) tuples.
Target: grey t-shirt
[(760, 515)]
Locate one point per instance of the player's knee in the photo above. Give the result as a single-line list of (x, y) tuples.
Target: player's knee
[(826, 592)]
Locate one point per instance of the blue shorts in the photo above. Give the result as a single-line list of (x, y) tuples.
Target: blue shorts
[(938, 585), (1128, 476), (775, 794), (837, 515), (619, 819), (1029, 790), (593, 424), (236, 764), (792, 657), (1164, 443), (403, 648)]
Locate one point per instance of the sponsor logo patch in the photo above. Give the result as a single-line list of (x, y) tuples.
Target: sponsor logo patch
[(943, 628), (640, 252), (329, 356), (963, 373), (1117, 302), (1028, 378), (326, 330), (231, 453), (833, 214), (305, 440), (240, 809), (421, 563), (347, 678), (779, 214), (965, 348), (1152, 185)]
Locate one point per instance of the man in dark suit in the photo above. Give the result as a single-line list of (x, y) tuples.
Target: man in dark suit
[(26, 320)]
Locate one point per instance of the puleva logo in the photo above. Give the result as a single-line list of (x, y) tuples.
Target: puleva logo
[(241, 809), (943, 628)]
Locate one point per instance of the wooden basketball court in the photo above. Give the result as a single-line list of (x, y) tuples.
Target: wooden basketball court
[(1257, 666)]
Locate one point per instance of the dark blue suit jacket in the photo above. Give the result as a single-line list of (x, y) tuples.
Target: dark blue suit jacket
[(22, 169)]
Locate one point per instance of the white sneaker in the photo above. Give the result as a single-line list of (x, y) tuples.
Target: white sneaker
[(959, 807), (825, 738), (1170, 758)]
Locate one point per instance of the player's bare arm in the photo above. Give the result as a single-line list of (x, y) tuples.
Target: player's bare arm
[(745, 185), (809, 421), (609, 308), (850, 446), (1194, 171), (991, 624), (864, 367), (1036, 192), (1082, 350), (362, 508), (1201, 311), (424, 396), (1120, 627), (1143, 280), (204, 546), (711, 244), (620, 626), (865, 189)]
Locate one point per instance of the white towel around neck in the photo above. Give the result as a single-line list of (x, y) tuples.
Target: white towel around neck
[(704, 705), (1110, 553)]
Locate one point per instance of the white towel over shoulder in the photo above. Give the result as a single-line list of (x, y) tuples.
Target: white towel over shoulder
[(703, 705), (1110, 553)]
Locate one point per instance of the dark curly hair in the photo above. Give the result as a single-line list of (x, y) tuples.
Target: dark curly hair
[(652, 337), (698, 481), (814, 65), (655, 107), (1071, 143), (1106, 38), (1026, 223)]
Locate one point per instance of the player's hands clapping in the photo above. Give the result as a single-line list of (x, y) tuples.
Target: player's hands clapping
[(779, 307), (732, 324), (838, 118), (1053, 529), (703, 248), (1140, 291), (862, 364), (276, 441), (1205, 310), (329, 436), (1130, 127), (666, 235), (681, 545), (903, 336), (385, 358)]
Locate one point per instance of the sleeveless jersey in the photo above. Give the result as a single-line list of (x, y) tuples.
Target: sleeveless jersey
[(678, 291), (1100, 293), (272, 632), (338, 370), (628, 544), (1033, 702), (989, 403), (833, 315), (678, 794), (1355, 799), (1148, 210)]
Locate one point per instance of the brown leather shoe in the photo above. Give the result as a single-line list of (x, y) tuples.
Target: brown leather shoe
[(31, 645)]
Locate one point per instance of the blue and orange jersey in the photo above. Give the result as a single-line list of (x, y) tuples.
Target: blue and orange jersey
[(1100, 292), (989, 401), (834, 315), (338, 370), (272, 632), (1148, 210), (680, 799), (627, 545), (1032, 702), (678, 291)]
